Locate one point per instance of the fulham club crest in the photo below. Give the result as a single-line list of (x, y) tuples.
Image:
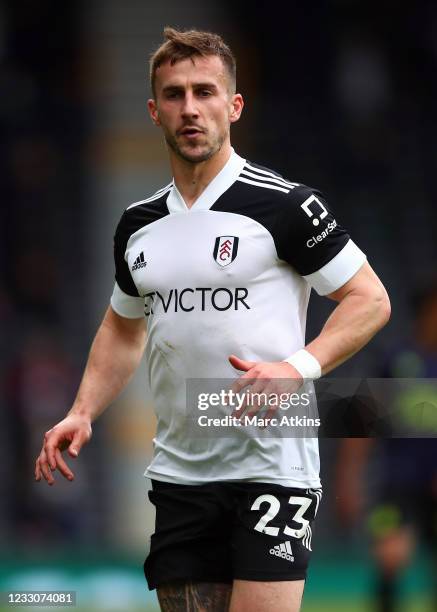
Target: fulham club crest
[(225, 249)]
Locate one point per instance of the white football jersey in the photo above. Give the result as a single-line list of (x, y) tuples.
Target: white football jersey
[(230, 275)]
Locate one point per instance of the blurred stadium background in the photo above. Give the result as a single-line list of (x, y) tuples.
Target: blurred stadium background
[(339, 94)]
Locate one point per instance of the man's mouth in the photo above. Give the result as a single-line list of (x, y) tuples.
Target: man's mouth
[(190, 131)]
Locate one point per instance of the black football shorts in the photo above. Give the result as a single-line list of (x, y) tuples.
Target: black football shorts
[(222, 531)]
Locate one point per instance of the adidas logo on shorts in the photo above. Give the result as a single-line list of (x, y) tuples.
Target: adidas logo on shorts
[(283, 550)]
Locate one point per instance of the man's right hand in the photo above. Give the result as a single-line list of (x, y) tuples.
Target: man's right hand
[(115, 354), (69, 434)]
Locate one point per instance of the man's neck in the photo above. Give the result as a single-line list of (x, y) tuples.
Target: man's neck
[(192, 179)]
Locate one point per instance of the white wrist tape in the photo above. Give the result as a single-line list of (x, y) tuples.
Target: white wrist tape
[(306, 364)]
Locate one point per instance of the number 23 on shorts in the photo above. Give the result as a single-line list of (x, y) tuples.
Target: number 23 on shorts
[(299, 507)]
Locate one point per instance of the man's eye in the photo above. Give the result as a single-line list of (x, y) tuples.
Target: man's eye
[(172, 95), (205, 93)]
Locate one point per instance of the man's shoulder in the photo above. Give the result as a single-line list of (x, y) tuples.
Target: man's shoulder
[(274, 185), (150, 209), (266, 196), (151, 200)]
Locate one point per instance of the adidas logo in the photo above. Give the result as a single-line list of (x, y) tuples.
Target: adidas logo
[(139, 262), (283, 550)]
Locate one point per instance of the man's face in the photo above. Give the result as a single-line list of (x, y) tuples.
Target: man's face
[(194, 106)]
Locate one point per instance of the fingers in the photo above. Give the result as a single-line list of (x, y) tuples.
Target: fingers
[(251, 399), (37, 471), (78, 441), (268, 382), (269, 415), (242, 382), (272, 403), (51, 441), (241, 364), (62, 466), (56, 440), (42, 467), (263, 394), (46, 462)]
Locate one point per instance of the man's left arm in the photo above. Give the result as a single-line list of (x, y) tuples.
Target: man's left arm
[(363, 309), (334, 267)]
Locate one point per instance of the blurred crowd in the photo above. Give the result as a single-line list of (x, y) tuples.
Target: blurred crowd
[(43, 123)]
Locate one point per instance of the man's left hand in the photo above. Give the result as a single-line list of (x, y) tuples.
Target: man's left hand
[(269, 378)]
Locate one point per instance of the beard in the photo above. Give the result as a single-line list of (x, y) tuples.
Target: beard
[(208, 149)]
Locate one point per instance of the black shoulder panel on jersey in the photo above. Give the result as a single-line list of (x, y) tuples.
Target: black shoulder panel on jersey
[(307, 235), (133, 219), (258, 204), (263, 171), (304, 230)]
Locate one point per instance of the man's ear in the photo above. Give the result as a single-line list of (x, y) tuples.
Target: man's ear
[(237, 104), (153, 111)]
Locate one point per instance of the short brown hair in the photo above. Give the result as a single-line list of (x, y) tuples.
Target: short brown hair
[(182, 45)]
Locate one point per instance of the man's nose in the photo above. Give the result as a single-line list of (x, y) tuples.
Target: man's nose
[(189, 108)]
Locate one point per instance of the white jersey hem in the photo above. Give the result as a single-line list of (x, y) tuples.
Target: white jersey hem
[(284, 481)]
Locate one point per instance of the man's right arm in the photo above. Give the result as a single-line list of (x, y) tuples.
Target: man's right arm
[(115, 354)]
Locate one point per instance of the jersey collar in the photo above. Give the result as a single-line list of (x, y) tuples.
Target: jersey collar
[(219, 184)]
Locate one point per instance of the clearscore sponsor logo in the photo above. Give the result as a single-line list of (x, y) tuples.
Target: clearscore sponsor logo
[(199, 299), (315, 239)]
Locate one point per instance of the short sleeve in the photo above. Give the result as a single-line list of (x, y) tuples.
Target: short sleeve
[(125, 299), (126, 305), (309, 238)]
